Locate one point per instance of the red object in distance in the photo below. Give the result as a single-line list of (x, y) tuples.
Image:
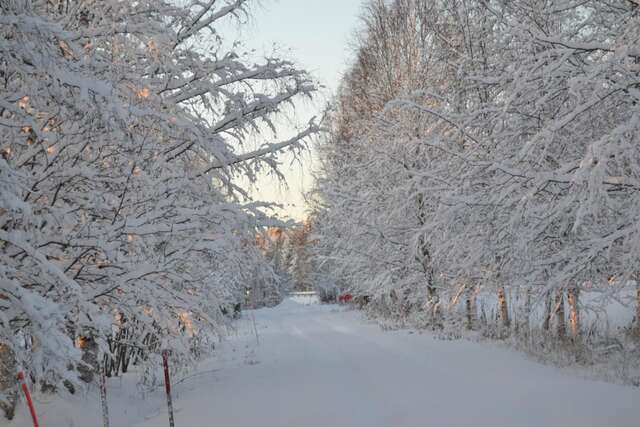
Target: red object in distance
[(345, 298)]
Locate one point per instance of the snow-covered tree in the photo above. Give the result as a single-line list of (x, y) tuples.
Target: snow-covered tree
[(485, 145), (123, 125)]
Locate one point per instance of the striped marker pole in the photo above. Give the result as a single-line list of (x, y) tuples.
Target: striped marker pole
[(27, 395), (103, 399), (167, 385)]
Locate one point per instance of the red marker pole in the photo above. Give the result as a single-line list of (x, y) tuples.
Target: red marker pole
[(27, 395), (167, 386)]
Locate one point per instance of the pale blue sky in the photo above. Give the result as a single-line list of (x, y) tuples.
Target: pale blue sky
[(316, 31), (316, 34)]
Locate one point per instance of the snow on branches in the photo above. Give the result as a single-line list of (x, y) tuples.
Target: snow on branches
[(121, 124), (490, 144)]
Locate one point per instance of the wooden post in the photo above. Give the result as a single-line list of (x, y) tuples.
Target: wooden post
[(27, 395), (167, 386)]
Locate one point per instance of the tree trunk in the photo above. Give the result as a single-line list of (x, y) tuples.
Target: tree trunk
[(573, 295), (637, 325), (561, 328), (433, 306), (546, 326), (504, 309), (90, 364), (471, 307), (526, 323), (8, 383)]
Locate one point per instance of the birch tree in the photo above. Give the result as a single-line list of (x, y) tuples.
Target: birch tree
[(504, 157)]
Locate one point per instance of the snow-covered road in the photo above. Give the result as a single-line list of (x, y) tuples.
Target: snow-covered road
[(320, 366)]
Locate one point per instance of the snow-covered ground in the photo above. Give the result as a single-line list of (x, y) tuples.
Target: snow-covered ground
[(318, 366)]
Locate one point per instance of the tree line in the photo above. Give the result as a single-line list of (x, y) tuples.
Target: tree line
[(123, 129), (483, 167)]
